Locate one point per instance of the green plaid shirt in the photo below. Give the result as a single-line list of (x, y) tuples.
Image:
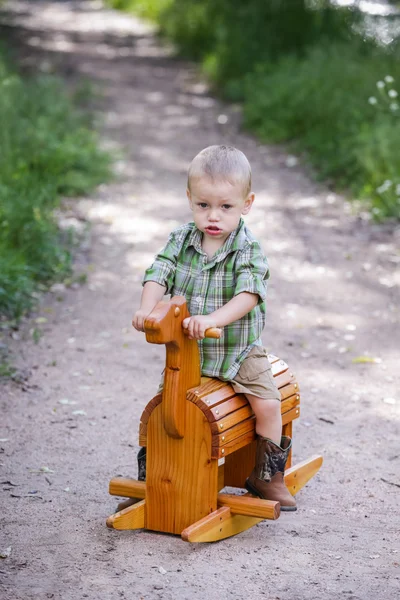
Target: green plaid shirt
[(209, 283)]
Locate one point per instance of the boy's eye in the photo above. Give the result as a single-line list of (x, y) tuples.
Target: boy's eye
[(203, 204), (227, 206)]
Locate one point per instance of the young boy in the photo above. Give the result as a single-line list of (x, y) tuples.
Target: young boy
[(218, 266)]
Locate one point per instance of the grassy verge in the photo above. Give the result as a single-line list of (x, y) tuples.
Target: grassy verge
[(48, 150), (307, 76)]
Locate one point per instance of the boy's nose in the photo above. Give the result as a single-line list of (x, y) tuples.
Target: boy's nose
[(213, 216)]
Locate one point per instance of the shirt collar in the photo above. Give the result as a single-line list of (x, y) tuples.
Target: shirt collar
[(236, 240)]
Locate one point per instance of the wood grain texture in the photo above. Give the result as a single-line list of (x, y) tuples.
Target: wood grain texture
[(239, 465), (182, 366), (127, 488), (219, 525), (234, 445), (249, 506), (297, 476), (133, 517), (290, 415), (182, 478), (231, 434)]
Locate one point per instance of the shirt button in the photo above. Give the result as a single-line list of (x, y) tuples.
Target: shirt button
[(198, 299)]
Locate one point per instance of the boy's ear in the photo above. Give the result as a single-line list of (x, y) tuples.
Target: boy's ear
[(248, 203), (189, 197)]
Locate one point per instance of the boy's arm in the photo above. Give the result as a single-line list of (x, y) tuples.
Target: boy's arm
[(233, 310), (152, 293)]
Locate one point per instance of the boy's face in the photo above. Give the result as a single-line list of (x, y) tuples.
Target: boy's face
[(217, 206)]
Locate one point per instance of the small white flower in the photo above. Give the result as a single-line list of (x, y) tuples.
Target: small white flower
[(380, 84), (392, 94), (389, 79), (384, 187), (394, 106), (372, 100)]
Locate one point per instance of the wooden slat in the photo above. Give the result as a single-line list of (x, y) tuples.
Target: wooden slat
[(142, 429), (234, 418), (249, 506), (291, 415), (206, 401), (208, 386), (284, 379), (225, 408), (290, 403), (278, 367), (289, 390), (142, 440), (236, 444), (127, 488), (272, 358), (234, 432), (150, 406)]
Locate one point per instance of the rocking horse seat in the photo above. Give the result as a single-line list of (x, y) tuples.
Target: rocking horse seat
[(228, 413)]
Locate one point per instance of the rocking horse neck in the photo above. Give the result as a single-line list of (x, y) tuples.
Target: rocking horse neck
[(182, 372)]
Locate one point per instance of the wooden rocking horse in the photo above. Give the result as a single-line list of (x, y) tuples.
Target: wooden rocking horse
[(200, 437)]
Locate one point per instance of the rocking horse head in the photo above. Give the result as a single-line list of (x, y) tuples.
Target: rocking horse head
[(164, 324)]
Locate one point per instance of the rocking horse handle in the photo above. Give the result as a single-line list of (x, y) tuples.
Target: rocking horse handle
[(212, 332)]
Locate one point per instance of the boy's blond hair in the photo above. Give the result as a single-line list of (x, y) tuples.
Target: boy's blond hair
[(221, 162)]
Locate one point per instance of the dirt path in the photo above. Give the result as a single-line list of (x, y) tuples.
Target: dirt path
[(333, 297)]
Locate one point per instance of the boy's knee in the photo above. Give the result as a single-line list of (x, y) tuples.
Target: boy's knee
[(265, 407)]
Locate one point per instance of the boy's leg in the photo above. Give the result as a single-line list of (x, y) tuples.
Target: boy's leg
[(255, 380), (268, 417)]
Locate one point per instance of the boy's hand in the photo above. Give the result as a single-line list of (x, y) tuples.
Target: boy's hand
[(197, 326), (139, 318)]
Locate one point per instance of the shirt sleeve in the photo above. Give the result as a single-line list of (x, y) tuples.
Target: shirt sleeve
[(162, 270), (252, 272)]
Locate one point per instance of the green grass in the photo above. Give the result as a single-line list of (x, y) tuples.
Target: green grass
[(320, 104), (304, 76), (48, 150)]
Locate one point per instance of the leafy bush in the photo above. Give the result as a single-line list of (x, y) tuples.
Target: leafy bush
[(321, 104), (47, 149), (304, 71)]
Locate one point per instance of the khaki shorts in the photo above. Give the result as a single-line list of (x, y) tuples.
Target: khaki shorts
[(254, 376)]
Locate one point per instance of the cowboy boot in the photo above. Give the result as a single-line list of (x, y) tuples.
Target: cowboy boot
[(266, 479), (141, 459)]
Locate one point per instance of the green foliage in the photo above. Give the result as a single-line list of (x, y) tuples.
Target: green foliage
[(304, 72), (320, 103), (47, 149), (150, 9)]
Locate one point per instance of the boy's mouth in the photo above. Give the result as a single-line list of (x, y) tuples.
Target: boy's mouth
[(213, 229)]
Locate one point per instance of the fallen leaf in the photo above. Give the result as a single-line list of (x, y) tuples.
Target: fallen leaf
[(78, 412), (364, 359)]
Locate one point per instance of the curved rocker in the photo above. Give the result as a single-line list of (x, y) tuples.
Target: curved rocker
[(200, 437)]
